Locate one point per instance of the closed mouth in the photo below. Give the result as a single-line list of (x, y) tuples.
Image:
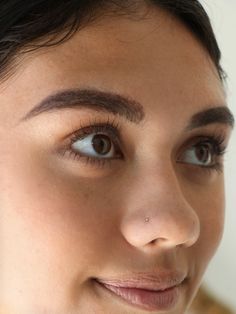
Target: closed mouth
[(158, 300)]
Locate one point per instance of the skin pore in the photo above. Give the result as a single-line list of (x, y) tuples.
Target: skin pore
[(65, 221)]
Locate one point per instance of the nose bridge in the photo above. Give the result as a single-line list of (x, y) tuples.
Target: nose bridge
[(157, 210)]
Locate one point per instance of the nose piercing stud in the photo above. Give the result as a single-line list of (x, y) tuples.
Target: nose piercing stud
[(147, 219)]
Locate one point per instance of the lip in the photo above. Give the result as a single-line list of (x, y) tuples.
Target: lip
[(160, 280), (149, 291)]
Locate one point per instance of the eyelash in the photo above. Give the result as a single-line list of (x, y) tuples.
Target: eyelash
[(216, 141), (110, 128), (113, 129)]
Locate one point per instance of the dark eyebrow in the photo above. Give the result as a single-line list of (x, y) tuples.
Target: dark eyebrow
[(220, 114), (120, 105), (91, 99)]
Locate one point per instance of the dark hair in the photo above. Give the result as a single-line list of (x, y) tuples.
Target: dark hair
[(29, 25)]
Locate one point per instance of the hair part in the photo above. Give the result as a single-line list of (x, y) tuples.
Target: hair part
[(27, 26)]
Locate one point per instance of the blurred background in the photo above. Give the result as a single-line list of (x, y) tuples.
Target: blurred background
[(220, 278)]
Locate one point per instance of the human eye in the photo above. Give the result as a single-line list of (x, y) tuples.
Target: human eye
[(96, 144), (206, 152)]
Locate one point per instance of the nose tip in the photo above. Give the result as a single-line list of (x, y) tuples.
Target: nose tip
[(159, 212), (163, 229), (184, 236)]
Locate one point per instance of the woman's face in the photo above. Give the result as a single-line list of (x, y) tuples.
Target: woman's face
[(67, 219)]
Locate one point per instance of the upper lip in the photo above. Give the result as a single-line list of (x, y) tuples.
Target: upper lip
[(156, 281)]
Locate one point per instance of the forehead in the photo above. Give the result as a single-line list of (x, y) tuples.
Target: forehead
[(154, 57), (144, 43)]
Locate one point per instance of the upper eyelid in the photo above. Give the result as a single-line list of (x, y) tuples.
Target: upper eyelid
[(110, 130), (198, 139), (115, 132)]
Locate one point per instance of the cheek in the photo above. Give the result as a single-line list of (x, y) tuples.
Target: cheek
[(209, 205), (213, 221), (211, 210), (55, 223)]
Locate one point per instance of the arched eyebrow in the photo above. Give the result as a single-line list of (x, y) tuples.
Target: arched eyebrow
[(220, 114), (121, 105), (91, 99)]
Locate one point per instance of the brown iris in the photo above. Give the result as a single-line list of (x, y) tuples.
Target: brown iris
[(101, 144), (203, 152)]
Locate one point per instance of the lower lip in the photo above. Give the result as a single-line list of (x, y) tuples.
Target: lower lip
[(146, 299)]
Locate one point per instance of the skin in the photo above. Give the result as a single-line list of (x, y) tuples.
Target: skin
[(64, 222)]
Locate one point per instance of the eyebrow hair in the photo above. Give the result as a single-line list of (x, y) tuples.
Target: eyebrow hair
[(92, 99), (212, 115), (123, 106)]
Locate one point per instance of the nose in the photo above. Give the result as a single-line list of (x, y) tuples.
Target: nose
[(157, 213)]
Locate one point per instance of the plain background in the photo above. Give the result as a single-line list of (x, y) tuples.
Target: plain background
[(221, 274)]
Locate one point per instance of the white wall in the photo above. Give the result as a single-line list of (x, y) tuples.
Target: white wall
[(221, 274)]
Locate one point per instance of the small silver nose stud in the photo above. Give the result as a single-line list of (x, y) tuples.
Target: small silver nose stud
[(147, 219)]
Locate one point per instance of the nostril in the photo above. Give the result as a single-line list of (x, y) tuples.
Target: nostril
[(158, 240)]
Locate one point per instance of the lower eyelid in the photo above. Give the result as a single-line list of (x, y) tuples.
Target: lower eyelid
[(86, 160)]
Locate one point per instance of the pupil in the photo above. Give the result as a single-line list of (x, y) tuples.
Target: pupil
[(203, 153), (101, 144)]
